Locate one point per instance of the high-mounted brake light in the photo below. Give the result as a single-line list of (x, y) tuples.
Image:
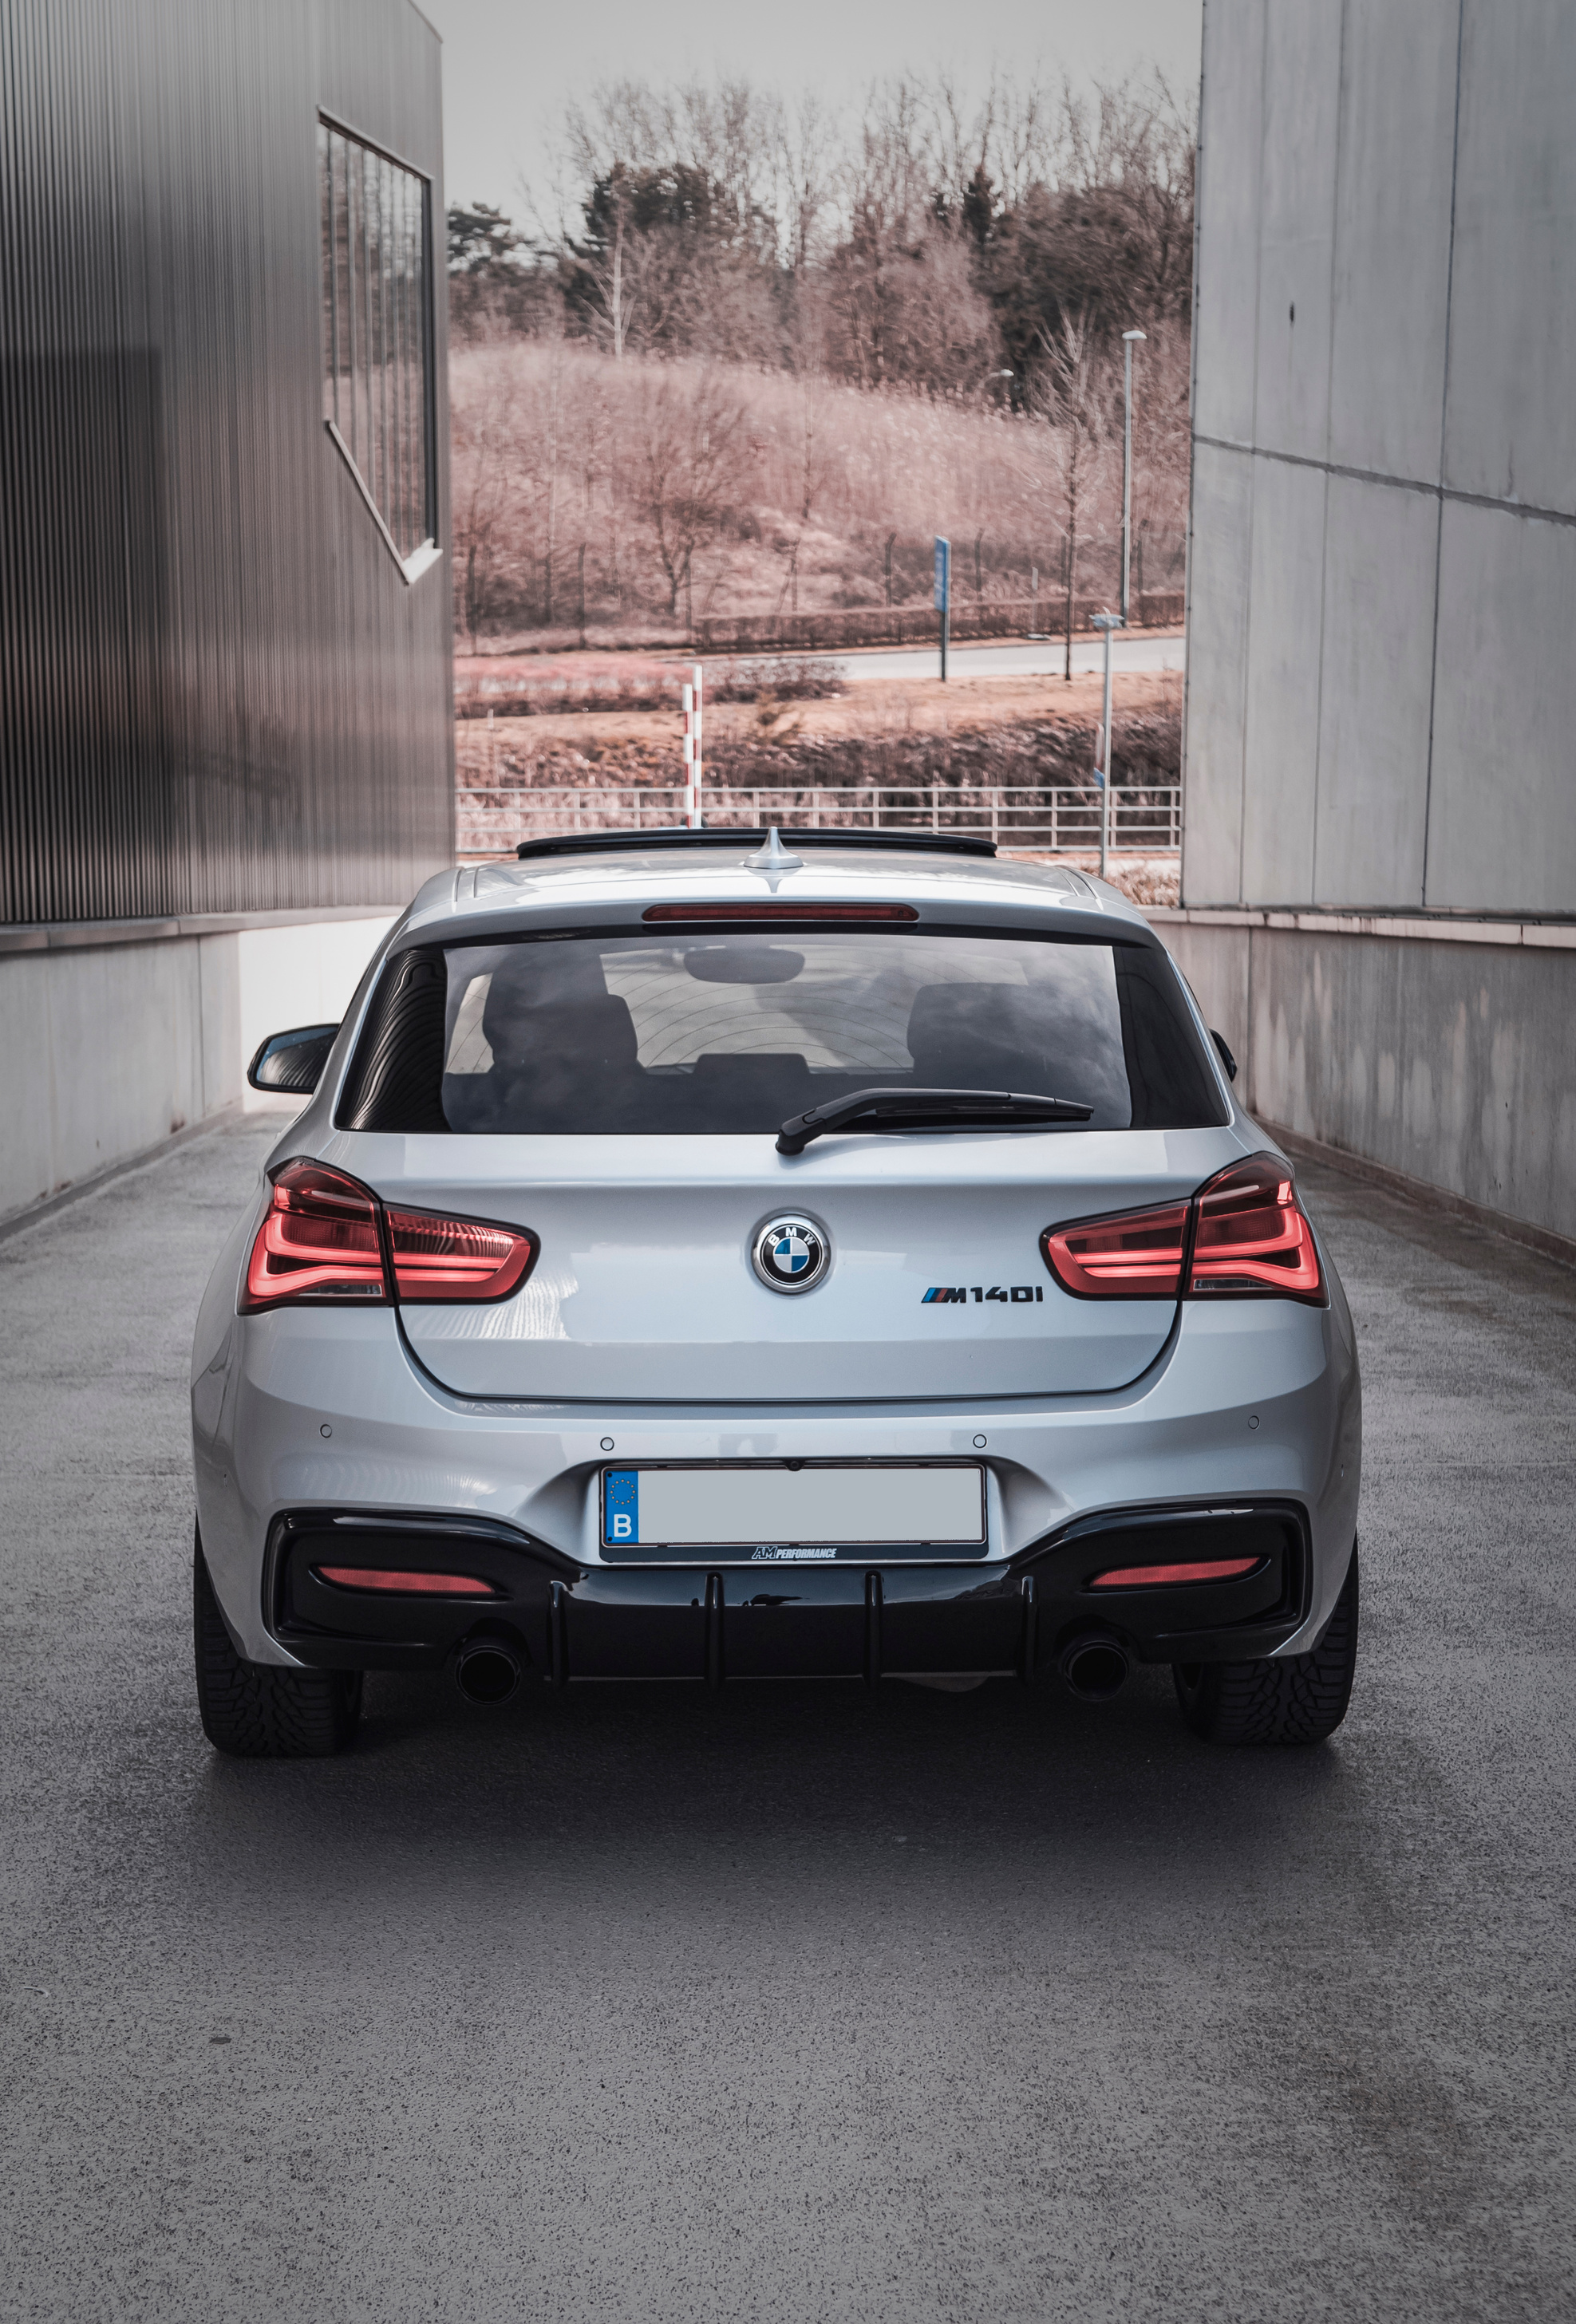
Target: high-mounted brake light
[(765, 911), (1155, 1577), (1244, 1235), (409, 1585), (327, 1239)]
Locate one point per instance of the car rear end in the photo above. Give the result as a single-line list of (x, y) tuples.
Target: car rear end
[(540, 1358)]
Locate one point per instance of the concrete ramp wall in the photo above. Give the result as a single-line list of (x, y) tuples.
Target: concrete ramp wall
[(1381, 746), (1446, 1057), (116, 1037)]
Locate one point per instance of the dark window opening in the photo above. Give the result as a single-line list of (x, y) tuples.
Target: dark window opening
[(377, 336)]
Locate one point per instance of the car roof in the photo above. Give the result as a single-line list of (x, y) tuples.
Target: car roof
[(616, 885)]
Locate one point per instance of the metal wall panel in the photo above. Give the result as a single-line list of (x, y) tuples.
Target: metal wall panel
[(219, 691)]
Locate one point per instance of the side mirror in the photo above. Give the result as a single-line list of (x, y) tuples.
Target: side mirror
[(1227, 1059), (292, 1061)]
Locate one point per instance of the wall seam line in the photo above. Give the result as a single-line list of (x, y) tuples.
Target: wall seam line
[(1329, 399), (1530, 510), (1450, 283), (1258, 302)]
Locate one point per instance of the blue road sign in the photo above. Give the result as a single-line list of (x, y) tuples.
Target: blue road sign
[(943, 575)]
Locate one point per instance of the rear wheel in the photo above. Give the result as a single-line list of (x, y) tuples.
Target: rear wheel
[(254, 1712), (1300, 1699)]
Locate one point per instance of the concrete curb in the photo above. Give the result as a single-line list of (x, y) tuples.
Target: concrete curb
[(1420, 1192), (33, 1215)]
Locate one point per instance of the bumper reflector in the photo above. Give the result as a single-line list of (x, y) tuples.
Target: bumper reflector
[(410, 1585), (1152, 1577)]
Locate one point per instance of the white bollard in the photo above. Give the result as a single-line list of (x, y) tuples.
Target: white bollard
[(696, 817)]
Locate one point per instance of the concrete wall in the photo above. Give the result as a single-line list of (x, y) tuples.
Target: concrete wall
[(1380, 761), (1446, 1057), (1381, 702), (109, 1047)]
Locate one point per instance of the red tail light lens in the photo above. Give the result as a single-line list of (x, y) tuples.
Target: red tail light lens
[(452, 1261), (1136, 1255), (323, 1236), (318, 1241), (410, 1585), (1243, 1235), (1252, 1235), (1155, 1577)]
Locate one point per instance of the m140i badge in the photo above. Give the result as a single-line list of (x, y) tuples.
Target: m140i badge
[(957, 1294), (791, 1254)]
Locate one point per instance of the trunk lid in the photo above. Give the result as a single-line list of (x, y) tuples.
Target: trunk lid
[(644, 1290)]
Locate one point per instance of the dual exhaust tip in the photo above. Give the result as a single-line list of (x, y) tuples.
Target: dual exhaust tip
[(1093, 1666), (488, 1670)]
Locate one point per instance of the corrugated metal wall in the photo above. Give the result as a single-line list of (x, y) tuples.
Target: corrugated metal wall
[(220, 692)]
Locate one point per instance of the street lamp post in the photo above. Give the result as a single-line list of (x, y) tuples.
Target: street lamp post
[(942, 593), (1105, 623), (1128, 337)]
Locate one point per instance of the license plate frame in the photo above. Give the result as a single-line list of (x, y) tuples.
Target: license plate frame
[(688, 1512)]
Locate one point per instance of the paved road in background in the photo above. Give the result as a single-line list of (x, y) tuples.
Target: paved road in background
[(794, 2001), (1047, 659)]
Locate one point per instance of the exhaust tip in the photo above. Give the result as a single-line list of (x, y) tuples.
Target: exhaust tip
[(1094, 1668), (487, 1671)]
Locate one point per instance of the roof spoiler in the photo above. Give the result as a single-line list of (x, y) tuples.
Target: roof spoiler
[(598, 843)]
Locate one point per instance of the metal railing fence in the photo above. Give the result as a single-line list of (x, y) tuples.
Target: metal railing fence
[(493, 818)]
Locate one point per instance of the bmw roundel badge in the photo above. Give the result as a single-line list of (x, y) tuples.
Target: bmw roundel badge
[(791, 1254)]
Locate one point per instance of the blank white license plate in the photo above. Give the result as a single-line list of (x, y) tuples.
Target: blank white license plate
[(809, 1512)]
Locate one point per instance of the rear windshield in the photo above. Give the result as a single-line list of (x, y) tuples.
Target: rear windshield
[(737, 1032)]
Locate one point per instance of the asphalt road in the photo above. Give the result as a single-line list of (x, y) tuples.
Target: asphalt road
[(791, 2003), (1047, 658)]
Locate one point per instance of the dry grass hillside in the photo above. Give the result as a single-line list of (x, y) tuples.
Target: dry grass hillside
[(609, 499)]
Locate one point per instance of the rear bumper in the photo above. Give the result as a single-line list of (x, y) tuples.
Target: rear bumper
[(310, 1416), (1010, 1617)]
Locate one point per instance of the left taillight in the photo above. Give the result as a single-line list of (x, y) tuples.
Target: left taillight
[(325, 1240), (1243, 1235), (448, 1261), (320, 1241)]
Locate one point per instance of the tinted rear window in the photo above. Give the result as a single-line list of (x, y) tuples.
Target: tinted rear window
[(736, 1032)]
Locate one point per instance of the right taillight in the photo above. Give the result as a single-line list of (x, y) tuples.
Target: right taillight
[(1252, 1235), (1243, 1235), (1135, 1255), (326, 1239)]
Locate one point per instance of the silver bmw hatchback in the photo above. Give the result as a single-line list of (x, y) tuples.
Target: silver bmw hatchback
[(707, 1257)]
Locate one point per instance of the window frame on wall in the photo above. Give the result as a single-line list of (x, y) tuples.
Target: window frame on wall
[(394, 459)]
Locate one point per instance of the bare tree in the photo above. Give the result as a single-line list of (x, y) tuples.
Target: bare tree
[(688, 467), (483, 488), (1072, 394)]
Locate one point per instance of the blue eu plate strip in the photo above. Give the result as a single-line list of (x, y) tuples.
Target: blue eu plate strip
[(621, 1505)]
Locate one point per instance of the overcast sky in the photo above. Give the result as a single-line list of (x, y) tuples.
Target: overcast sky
[(508, 69)]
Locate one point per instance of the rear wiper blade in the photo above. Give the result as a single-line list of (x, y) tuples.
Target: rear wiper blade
[(927, 1109)]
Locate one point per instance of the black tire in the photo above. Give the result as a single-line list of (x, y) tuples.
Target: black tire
[(254, 1712), (1301, 1700)]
